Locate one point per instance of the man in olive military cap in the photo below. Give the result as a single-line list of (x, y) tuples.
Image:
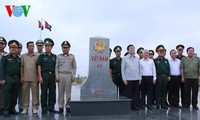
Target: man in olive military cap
[(180, 55), (10, 73), (151, 54), (40, 46), (163, 75), (139, 52), (46, 74), (115, 70), (65, 75), (3, 43)]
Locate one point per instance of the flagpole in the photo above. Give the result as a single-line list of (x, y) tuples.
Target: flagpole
[(41, 31)]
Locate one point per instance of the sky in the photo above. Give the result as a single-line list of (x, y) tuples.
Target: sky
[(143, 23)]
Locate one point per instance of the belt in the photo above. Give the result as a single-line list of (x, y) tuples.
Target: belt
[(49, 72), (64, 72), (117, 74), (162, 74), (14, 76), (175, 75)]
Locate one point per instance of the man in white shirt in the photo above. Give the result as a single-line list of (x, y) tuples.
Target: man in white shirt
[(173, 84), (148, 78), (131, 76)]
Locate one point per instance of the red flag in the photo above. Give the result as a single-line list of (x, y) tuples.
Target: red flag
[(40, 25), (48, 26)]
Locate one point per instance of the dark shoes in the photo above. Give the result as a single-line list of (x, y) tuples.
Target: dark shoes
[(195, 108), (150, 107), (68, 110), (53, 111), (164, 106), (60, 110), (13, 112), (44, 111)]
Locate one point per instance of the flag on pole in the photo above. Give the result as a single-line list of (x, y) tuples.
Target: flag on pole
[(40, 25), (48, 26)]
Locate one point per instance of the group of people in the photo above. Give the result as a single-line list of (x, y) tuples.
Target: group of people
[(155, 83), (20, 73)]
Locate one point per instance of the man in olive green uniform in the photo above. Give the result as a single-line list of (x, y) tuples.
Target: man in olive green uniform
[(163, 73), (115, 70), (65, 75), (3, 43), (10, 72), (46, 73), (190, 75), (40, 45), (139, 52), (180, 55)]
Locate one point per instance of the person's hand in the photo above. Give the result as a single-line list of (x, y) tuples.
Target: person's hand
[(183, 80), (57, 80), (2, 82), (72, 79), (125, 82), (40, 79), (154, 82), (169, 78), (22, 81), (139, 82)]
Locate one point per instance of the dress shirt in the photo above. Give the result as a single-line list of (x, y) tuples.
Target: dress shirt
[(147, 68), (175, 68)]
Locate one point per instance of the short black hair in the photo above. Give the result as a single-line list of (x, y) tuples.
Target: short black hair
[(129, 46), (172, 51), (190, 48), (29, 43)]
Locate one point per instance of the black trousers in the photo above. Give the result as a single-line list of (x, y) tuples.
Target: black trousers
[(173, 87), (117, 79), (182, 93), (191, 84), (147, 90), (132, 91)]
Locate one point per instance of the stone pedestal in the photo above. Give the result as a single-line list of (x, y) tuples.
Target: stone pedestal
[(98, 93)]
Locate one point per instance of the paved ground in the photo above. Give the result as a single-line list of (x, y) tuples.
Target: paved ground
[(171, 114)]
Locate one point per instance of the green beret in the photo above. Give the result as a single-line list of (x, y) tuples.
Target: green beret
[(180, 47), (160, 47), (3, 40), (13, 43), (65, 44), (140, 50), (48, 41), (117, 49), (151, 52), (39, 42)]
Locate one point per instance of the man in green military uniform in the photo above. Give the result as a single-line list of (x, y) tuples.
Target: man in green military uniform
[(3, 43), (40, 45), (10, 73), (115, 70), (190, 76), (163, 73), (180, 55), (139, 52), (46, 74)]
